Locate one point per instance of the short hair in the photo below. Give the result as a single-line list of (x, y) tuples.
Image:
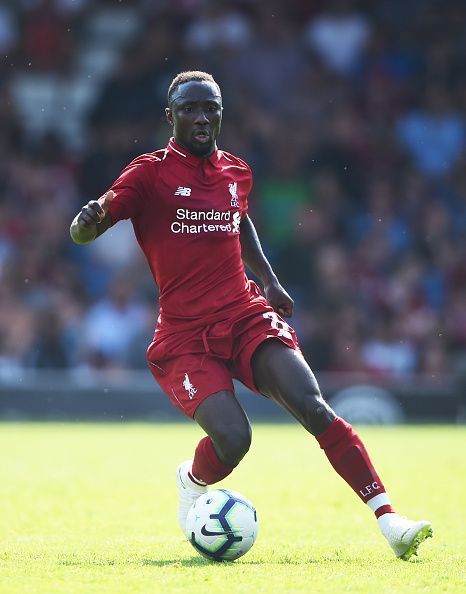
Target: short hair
[(188, 76)]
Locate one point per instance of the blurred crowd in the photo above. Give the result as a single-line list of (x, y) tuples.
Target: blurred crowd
[(351, 115)]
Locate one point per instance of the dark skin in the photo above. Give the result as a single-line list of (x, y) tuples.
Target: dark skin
[(282, 374), (195, 113)]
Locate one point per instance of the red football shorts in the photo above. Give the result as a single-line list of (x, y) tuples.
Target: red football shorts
[(192, 364)]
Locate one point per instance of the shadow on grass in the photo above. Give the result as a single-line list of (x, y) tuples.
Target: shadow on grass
[(279, 560), (330, 559), (192, 562), (197, 561), (73, 561)]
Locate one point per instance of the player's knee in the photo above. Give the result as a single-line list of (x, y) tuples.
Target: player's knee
[(317, 414), (233, 443)]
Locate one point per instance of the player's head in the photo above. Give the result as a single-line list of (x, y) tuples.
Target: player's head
[(195, 111)]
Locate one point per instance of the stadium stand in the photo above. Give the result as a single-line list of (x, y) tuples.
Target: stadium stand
[(352, 116)]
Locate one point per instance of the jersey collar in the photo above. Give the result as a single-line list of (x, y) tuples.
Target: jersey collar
[(192, 160)]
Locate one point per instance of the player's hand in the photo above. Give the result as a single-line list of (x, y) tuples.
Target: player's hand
[(279, 299), (95, 210)]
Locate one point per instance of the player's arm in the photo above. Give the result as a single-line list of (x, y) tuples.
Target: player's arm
[(92, 220), (254, 258)]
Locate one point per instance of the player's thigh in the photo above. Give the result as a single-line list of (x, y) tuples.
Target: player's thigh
[(280, 372), (224, 420), (283, 374), (249, 335), (191, 378)]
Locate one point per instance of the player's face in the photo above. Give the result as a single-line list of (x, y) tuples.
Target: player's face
[(196, 116)]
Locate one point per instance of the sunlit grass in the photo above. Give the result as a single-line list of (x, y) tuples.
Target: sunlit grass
[(92, 509)]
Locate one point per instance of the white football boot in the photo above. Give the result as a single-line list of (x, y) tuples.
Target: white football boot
[(188, 492), (403, 535)]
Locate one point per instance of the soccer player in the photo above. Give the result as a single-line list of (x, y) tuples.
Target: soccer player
[(188, 204)]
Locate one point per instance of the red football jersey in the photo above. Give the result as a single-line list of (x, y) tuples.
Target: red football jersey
[(186, 213)]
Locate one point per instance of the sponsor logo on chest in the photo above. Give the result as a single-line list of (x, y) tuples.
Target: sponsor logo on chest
[(197, 221)]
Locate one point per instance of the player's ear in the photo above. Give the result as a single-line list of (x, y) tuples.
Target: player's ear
[(169, 115)]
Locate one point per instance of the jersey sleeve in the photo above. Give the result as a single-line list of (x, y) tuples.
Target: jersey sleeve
[(130, 191)]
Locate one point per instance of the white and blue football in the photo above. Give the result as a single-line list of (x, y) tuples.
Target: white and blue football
[(222, 525)]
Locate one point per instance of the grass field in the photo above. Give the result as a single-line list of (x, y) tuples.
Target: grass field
[(91, 508)]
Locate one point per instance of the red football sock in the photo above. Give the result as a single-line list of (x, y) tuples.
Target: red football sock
[(349, 458), (207, 466)]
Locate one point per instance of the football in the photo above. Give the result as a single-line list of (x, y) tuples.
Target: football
[(222, 525)]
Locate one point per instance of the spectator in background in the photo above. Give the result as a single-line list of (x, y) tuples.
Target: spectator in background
[(386, 353), (219, 25), (344, 146), (338, 36), (282, 191), (434, 136), (434, 360), (8, 29), (46, 37), (133, 94), (381, 218), (342, 83), (272, 52), (48, 349), (114, 323)]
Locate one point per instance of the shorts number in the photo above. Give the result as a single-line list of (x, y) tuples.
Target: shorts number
[(277, 324)]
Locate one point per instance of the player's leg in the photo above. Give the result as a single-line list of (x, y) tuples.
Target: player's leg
[(283, 374), (200, 386), (228, 440), (228, 430), (291, 384)]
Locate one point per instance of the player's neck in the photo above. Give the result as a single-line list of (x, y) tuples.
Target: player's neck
[(209, 152)]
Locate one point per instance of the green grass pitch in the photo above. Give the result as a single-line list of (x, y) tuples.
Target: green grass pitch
[(91, 508)]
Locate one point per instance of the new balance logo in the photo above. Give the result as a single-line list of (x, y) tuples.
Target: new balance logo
[(182, 191), (187, 385)]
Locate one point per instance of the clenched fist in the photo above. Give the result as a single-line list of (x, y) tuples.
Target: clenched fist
[(84, 226)]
